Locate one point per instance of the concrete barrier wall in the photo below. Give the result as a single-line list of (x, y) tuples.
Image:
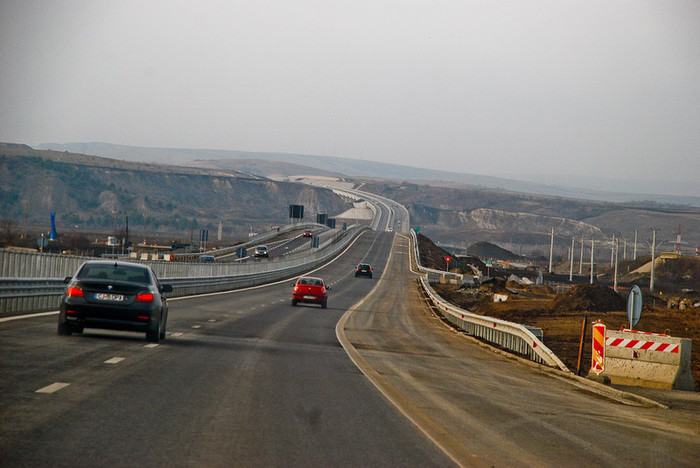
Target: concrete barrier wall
[(648, 360)]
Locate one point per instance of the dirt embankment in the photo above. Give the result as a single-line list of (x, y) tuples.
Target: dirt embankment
[(561, 316)]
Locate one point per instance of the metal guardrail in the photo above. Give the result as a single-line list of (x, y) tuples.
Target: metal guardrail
[(514, 337), (26, 295), (508, 335)]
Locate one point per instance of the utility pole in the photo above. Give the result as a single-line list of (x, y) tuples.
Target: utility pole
[(617, 251), (551, 250), (571, 259), (653, 255), (580, 266), (612, 251), (635, 245), (592, 248)]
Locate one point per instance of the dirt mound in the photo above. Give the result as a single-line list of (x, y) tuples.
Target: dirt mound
[(494, 286), (590, 297), (432, 256)]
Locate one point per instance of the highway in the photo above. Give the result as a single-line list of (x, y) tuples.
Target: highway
[(245, 379), (283, 244), (242, 379)]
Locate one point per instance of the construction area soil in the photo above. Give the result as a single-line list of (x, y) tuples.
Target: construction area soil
[(561, 316)]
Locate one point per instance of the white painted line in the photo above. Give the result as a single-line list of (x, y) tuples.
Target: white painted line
[(176, 334), (151, 345), (196, 326), (114, 360), (54, 387), (211, 320), (20, 317)]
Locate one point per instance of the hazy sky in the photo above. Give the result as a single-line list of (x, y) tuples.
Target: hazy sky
[(488, 87)]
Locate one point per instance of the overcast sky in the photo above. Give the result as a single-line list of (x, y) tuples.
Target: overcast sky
[(488, 87)]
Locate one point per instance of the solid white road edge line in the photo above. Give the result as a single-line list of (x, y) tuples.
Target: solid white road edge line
[(372, 374)]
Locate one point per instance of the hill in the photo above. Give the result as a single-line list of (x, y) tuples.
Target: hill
[(616, 190), (89, 193), (522, 222)]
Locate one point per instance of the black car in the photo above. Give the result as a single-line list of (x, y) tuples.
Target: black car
[(363, 269), (116, 296), (261, 251)]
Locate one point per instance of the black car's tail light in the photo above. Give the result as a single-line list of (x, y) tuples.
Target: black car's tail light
[(144, 297), (74, 291)]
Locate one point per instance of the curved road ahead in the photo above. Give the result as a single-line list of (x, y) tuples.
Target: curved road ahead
[(244, 379)]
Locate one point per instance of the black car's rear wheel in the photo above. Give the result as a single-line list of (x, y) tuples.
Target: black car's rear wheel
[(162, 330), (153, 333), (64, 328)]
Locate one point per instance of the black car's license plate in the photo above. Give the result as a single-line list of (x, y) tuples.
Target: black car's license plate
[(109, 297)]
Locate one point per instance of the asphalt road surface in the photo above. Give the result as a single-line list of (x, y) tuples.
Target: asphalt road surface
[(244, 379)]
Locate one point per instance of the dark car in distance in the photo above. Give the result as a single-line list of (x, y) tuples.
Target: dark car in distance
[(261, 251), (363, 269), (116, 296), (312, 290), (308, 234)]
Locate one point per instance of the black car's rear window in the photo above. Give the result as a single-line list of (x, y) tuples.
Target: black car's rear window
[(115, 273)]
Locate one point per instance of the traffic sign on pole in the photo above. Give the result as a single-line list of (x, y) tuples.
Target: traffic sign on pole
[(634, 306)]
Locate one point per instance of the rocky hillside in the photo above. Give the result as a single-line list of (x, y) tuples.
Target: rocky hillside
[(522, 223), (89, 192)]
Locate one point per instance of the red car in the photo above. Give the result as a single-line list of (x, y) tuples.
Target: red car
[(310, 289), (308, 234)]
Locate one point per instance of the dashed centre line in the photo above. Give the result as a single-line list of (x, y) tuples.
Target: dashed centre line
[(54, 387), (152, 345), (114, 360)]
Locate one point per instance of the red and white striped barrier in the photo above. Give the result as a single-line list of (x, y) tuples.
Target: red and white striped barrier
[(641, 344), (646, 359)]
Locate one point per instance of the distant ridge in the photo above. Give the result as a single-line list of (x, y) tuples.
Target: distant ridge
[(361, 168)]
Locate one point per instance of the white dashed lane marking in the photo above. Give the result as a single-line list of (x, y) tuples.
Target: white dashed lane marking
[(54, 387), (196, 326), (114, 360), (151, 345)]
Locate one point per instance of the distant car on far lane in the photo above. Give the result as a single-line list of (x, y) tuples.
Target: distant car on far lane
[(312, 290), (363, 269), (261, 251), (308, 234)]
